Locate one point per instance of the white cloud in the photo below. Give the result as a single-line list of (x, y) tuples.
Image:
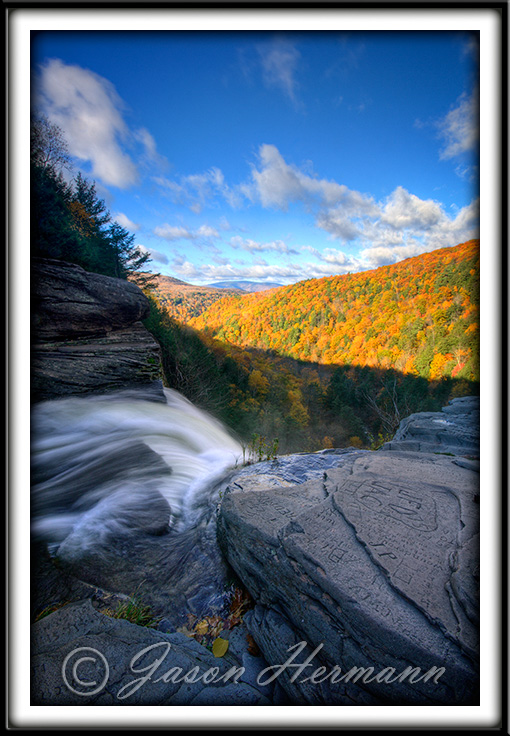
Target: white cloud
[(460, 127), (472, 48), (464, 226), (89, 111), (260, 271), (400, 226), (412, 227), (198, 190), (171, 232), (125, 222), (337, 224), (205, 231), (277, 184), (151, 155), (335, 258), (404, 210), (155, 255), (148, 141), (386, 246), (177, 232), (225, 224), (331, 255), (175, 189), (279, 60), (383, 255), (253, 246)]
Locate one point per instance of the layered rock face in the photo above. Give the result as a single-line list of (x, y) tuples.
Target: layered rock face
[(87, 336), (371, 570)]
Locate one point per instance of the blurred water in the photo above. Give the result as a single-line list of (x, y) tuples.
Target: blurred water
[(108, 463)]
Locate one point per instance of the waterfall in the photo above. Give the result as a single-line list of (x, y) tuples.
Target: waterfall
[(104, 464)]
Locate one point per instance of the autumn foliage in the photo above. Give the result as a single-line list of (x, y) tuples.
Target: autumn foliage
[(419, 316), (184, 301), (331, 362)]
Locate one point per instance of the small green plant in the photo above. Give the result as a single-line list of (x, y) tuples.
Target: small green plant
[(50, 609), (259, 449), (378, 442), (135, 612)]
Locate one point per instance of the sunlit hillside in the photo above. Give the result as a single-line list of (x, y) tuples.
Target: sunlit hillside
[(419, 316), (185, 301)]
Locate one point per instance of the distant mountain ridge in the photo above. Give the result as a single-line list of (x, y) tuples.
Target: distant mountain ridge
[(250, 286), (185, 301), (169, 280)]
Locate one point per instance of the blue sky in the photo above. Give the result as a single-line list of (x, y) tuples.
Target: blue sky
[(271, 157)]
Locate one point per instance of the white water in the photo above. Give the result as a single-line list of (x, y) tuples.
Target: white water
[(91, 468)]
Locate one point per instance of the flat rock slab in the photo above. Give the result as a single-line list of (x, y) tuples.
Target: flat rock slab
[(83, 657), (290, 470), (377, 564)]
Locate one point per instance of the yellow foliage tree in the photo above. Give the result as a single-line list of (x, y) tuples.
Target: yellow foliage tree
[(258, 383)]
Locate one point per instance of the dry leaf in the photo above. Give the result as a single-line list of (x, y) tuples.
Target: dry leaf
[(219, 647), (201, 627)]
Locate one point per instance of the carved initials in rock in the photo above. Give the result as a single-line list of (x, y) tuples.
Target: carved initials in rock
[(396, 501)]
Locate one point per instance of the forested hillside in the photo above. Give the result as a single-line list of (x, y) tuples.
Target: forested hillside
[(419, 317), (185, 301)]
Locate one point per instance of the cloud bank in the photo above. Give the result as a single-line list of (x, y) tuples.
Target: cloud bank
[(382, 232), (89, 111), (392, 229)]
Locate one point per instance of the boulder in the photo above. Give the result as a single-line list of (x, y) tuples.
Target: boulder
[(373, 566), (453, 431)]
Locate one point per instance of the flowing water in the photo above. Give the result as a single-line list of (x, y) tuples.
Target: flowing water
[(101, 464), (125, 492)]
